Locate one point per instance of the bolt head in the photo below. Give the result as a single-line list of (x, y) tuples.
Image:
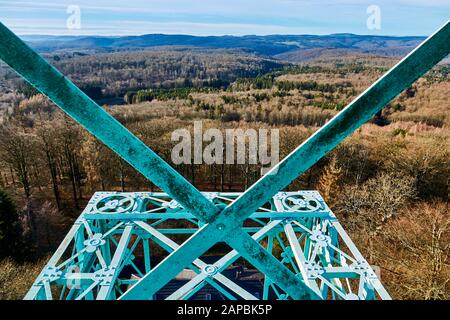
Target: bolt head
[(210, 269)]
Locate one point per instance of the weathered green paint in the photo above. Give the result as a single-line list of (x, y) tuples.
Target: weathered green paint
[(221, 225), (44, 77), (199, 243), (358, 112), (99, 273), (84, 110)]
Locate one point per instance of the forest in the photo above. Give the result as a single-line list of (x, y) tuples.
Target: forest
[(387, 183)]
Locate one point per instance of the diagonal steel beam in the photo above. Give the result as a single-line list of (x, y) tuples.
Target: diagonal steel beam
[(65, 94), (352, 117), (221, 264), (358, 112), (199, 243), (336, 130), (172, 245), (107, 287), (84, 110)]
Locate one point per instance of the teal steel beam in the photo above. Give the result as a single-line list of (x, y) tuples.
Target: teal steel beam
[(187, 215), (65, 94), (106, 288), (358, 112), (258, 256), (35, 289), (172, 245), (250, 249), (84, 110), (84, 282), (223, 263), (199, 243), (299, 255)]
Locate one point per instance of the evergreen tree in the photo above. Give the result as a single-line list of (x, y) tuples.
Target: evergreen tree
[(10, 228)]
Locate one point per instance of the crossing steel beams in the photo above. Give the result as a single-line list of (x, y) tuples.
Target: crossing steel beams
[(110, 248), (216, 223)]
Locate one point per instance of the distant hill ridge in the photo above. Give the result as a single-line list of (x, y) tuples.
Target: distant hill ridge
[(271, 45)]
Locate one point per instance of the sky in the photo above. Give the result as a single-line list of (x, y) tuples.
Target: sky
[(229, 17)]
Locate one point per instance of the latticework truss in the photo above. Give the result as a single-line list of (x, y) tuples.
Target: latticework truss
[(110, 248), (293, 239)]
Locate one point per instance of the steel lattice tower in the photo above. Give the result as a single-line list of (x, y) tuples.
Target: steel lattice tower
[(315, 258)]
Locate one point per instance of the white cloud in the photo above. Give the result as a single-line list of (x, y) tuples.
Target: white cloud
[(223, 17), (129, 27)]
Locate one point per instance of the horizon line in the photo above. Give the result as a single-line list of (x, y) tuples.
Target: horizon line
[(217, 35)]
